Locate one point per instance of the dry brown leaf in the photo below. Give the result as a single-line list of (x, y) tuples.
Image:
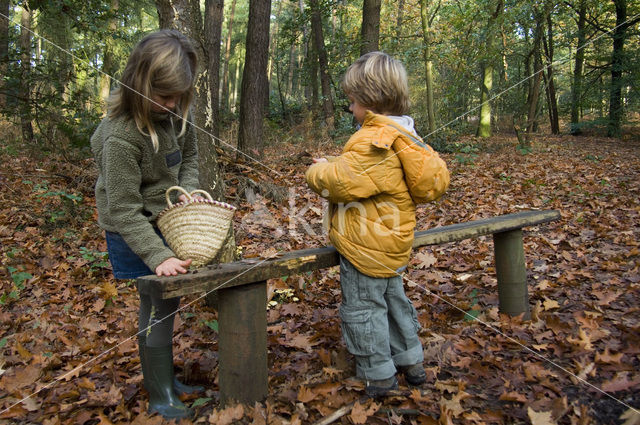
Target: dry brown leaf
[(109, 290), (87, 384), (631, 417), (259, 415), (513, 396), (20, 377), (226, 416), (540, 418), (550, 304), (425, 259), (609, 358), (298, 341), (359, 413), (305, 394), (25, 355), (620, 383)]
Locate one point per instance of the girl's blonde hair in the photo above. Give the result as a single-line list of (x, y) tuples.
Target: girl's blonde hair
[(378, 82), (164, 64)]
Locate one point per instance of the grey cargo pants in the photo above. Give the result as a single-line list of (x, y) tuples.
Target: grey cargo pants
[(379, 323)]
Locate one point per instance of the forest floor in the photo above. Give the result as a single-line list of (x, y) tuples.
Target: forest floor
[(68, 352)]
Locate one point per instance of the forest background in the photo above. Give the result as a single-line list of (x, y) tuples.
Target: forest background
[(533, 104)]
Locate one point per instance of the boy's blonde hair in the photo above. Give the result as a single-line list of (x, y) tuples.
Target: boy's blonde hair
[(162, 63), (378, 82)]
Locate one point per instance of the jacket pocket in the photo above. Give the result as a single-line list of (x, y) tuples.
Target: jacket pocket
[(357, 331), (174, 158)]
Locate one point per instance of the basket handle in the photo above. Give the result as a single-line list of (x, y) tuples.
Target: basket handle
[(185, 193)]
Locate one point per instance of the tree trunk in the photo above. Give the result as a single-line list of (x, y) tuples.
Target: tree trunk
[(4, 49), (552, 99), (325, 81), (236, 85), (185, 16), (428, 41), (312, 63), (213, 12), (254, 78), (370, 31), (576, 89), (107, 59), (617, 67), (534, 88), (486, 82), (484, 125), (273, 42), (289, 88), (399, 21), (309, 64), (224, 96), (25, 75)]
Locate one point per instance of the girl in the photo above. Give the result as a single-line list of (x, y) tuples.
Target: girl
[(144, 146)]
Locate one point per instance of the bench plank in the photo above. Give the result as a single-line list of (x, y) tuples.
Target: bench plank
[(243, 368), (483, 227), (253, 270)]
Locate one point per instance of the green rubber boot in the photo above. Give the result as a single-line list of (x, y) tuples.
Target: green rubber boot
[(158, 380), (178, 387)]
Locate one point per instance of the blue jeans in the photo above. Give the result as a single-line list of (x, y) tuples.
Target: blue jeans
[(156, 315), (125, 263), (379, 323)]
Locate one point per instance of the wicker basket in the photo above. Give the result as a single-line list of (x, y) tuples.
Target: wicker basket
[(195, 228)]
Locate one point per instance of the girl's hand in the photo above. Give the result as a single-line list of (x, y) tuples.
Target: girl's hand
[(316, 160), (172, 266)]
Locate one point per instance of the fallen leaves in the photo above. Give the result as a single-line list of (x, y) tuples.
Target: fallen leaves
[(583, 288)]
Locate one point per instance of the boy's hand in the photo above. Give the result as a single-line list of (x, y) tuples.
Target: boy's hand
[(317, 160), (172, 266)]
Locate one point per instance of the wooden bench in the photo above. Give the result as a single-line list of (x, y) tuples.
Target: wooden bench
[(242, 295)]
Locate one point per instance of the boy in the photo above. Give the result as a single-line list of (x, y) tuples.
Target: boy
[(373, 187)]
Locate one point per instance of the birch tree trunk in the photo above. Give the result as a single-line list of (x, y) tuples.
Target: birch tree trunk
[(225, 96)]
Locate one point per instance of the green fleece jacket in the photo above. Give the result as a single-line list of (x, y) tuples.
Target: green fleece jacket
[(133, 179)]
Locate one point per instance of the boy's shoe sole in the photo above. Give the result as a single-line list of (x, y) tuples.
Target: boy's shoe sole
[(381, 387)]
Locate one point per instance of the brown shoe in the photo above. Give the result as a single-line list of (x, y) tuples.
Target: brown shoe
[(381, 387), (414, 374)]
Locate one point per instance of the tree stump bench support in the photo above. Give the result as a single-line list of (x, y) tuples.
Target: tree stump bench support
[(242, 293)]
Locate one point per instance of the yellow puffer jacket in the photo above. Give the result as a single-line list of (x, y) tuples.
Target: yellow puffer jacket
[(372, 187)]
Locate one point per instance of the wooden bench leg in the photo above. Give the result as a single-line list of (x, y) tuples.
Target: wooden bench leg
[(511, 273), (242, 345)]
